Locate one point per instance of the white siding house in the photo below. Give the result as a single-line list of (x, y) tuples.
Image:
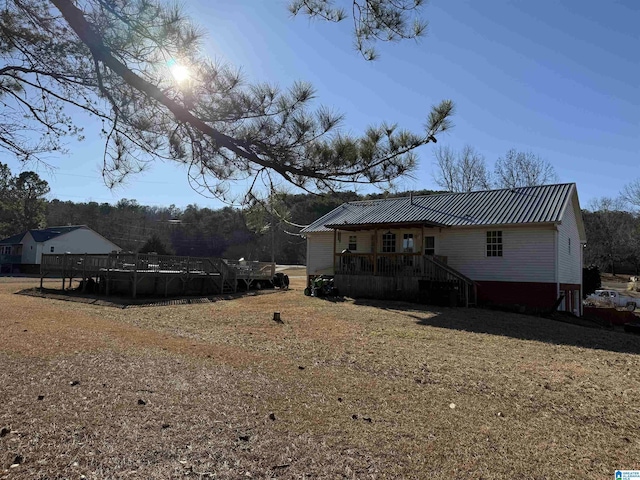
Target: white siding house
[(68, 239), (320, 254), (513, 246), (527, 255), (82, 240), (570, 255), (31, 250)]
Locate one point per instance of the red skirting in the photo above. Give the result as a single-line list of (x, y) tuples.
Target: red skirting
[(533, 295)]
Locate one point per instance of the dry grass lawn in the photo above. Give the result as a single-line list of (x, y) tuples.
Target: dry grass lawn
[(348, 389)]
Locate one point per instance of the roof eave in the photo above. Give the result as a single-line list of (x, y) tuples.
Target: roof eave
[(372, 226)]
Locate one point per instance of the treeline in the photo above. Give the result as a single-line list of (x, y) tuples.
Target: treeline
[(268, 230), (613, 237), (261, 232)]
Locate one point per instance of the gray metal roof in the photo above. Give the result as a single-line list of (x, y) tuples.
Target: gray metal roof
[(41, 235), (13, 240), (540, 204)]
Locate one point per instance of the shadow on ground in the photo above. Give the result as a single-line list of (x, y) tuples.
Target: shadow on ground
[(332, 299), (128, 302), (523, 327)]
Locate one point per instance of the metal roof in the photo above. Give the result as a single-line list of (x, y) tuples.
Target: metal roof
[(524, 205), (41, 235), (51, 232), (13, 240)]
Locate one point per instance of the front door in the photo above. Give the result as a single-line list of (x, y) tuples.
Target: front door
[(430, 245), (408, 247)]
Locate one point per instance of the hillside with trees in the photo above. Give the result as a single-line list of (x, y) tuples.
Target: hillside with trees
[(267, 230), (263, 231)]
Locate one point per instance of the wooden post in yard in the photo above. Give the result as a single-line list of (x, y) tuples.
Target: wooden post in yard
[(135, 276), (221, 277), (107, 275), (84, 273), (64, 267), (71, 265), (184, 283)]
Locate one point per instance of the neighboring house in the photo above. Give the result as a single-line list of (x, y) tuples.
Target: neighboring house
[(26, 249), (521, 246)]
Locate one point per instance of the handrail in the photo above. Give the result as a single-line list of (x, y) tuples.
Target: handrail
[(251, 269), (405, 265), (450, 270), (228, 274)]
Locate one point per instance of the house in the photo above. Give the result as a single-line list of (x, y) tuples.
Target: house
[(520, 246), (23, 251)]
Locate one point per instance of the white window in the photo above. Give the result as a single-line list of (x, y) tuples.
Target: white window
[(388, 242), (494, 243), (353, 243), (407, 242), (5, 250), (430, 246)]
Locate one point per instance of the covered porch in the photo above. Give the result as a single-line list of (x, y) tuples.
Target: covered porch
[(397, 260)]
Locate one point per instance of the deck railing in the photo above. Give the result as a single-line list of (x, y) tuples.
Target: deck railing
[(10, 259), (388, 264), (424, 267), (248, 270), (81, 265)]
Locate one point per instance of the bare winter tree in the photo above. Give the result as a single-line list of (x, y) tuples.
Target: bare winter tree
[(137, 66), (462, 171), (606, 225), (522, 169), (631, 193)]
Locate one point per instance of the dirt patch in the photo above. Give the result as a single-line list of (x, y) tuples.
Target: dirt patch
[(610, 278)]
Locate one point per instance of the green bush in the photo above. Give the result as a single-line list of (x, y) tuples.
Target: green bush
[(590, 280)]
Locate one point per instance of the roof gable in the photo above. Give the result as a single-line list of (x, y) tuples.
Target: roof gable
[(13, 240), (42, 235), (524, 205), (48, 233)]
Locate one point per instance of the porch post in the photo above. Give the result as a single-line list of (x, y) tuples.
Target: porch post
[(422, 247), (375, 251), (335, 234)]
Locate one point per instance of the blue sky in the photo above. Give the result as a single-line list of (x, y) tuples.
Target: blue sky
[(558, 78)]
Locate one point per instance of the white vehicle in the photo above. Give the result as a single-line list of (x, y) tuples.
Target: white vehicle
[(612, 298)]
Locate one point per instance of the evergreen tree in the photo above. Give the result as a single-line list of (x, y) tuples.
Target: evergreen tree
[(22, 201), (114, 59), (155, 245)]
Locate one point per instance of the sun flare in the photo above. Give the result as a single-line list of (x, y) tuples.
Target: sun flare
[(180, 73)]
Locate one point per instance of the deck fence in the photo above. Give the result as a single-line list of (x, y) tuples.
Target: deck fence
[(135, 267), (404, 267)]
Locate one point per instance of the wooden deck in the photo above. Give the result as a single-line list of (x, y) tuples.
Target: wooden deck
[(408, 276), (148, 274)]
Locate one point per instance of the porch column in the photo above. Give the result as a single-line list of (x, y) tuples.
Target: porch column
[(375, 251), (335, 234), (422, 247)]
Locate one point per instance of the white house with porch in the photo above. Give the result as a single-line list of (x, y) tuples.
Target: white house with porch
[(22, 252), (521, 246)]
